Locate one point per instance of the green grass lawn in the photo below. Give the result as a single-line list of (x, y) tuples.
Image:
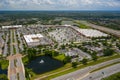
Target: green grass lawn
[(4, 64), (60, 57), (14, 49), (68, 22), (81, 25)]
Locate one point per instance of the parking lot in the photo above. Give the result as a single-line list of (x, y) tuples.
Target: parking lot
[(66, 35)]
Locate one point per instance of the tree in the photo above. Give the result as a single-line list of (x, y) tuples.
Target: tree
[(108, 52), (94, 56), (74, 64), (84, 61), (63, 46), (55, 53), (28, 73), (105, 43), (25, 50), (55, 46), (31, 53), (48, 52), (67, 59), (118, 45)]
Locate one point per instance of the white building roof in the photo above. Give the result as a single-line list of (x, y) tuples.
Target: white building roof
[(29, 38), (13, 26), (66, 25), (91, 33)]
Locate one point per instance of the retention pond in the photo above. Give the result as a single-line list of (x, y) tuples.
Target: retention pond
[(44, 64)]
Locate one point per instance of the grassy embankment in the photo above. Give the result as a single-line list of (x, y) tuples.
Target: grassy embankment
[(4, 64)]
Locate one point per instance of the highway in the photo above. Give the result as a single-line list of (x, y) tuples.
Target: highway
[(20, 68), (19, 63), (98, 75), (16, 68), (12, 75), (83, 72)]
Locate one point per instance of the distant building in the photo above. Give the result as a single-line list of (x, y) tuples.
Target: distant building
[(91, 33), (12, 26)]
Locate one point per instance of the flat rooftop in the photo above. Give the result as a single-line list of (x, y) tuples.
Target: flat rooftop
[(91, 33), (12, 26), (33, 38)]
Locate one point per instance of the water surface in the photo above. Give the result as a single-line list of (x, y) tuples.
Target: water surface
[(48, 65)]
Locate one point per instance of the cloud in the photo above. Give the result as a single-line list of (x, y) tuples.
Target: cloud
[(42, 2), (59, 4)]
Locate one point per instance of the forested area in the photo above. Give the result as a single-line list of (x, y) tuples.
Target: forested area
[(109, 19)]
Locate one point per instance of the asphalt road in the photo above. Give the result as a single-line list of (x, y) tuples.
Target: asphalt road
[(5, 51), (12, 68), (19, 63), (13, 74), (82, 72), (20, 66), (98, 75), (11, 43), (16, 67), (13, 77)]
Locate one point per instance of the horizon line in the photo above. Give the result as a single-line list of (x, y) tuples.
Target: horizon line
[(59, 10)]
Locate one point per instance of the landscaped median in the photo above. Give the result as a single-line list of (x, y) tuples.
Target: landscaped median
[(68, 68)]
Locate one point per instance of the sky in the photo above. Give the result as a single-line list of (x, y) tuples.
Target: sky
[(59, 4)]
